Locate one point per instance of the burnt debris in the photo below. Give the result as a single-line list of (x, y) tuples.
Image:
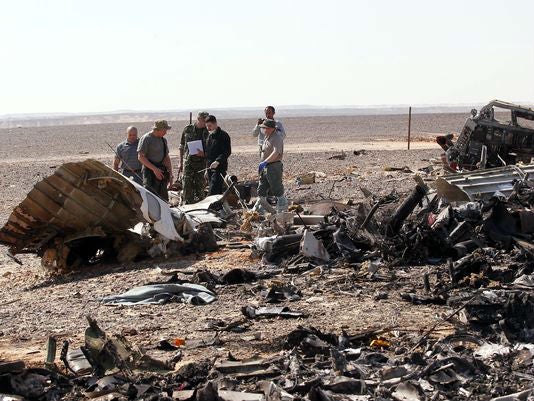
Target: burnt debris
[(473, 233), (499, 134)]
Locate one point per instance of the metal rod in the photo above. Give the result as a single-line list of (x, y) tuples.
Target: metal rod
[(409, 125), (236, 192), (190, 117), (301, 219), (370, 215)]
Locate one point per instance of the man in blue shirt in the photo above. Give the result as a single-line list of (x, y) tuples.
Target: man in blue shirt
[(126, 160)]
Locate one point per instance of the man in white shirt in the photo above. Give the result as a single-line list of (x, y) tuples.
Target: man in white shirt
[(269, 115)]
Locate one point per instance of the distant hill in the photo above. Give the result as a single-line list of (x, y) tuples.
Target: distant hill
[(126, 116)]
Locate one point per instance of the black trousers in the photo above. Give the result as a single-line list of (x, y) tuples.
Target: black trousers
[(216, 182)]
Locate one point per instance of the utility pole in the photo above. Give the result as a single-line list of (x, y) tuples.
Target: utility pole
[(409, 125)]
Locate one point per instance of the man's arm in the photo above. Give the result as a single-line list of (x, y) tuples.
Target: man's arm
[(167, 163), (116, 162), (256, 131), (226, 151), (145, 162), (281, 129), (272, 156), (182, 147), (181, 162)]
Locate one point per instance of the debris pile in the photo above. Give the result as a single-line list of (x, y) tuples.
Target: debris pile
[(473, 233), (86, 213), (376, 364)]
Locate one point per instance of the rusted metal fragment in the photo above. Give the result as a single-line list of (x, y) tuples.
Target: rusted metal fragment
[(80, 199)]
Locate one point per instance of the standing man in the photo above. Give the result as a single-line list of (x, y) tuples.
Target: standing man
[(126, 156), (219, 149), (271, 169), (269, 115), (153, 153), (193, 182)]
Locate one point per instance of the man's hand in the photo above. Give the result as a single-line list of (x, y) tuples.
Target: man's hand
[(214, 165), (260, 121), (201, 153), (262, 166), (158, 173)]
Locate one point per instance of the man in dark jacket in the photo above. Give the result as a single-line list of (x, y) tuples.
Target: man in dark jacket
[(218, 150)]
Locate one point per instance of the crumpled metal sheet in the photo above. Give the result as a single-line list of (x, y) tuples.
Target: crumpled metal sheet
[(312, 247), (481, 184), (159, 294), (79, 199)]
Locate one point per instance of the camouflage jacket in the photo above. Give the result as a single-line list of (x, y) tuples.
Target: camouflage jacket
[(192, 133)]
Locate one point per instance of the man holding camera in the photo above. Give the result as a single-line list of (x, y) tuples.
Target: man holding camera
[(269, 115)]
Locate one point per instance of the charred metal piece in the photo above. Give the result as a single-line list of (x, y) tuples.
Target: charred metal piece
[(405, 209), (487, 141)]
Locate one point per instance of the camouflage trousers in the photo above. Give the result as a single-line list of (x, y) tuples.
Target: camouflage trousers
[(193, 183)]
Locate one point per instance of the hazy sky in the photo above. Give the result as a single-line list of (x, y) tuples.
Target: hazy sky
[(103, 55)]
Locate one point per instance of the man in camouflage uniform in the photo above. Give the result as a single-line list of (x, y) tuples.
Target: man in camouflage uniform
[(194, 166)]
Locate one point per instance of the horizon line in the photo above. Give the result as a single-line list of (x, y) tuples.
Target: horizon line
[(251, 108)]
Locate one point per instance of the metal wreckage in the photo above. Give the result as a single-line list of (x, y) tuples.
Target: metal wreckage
[(473, 229), (486, 140), (87, 213)]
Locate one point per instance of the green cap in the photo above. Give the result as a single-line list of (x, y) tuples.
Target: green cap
[(267, 123), (203, 114), (161, 124)]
